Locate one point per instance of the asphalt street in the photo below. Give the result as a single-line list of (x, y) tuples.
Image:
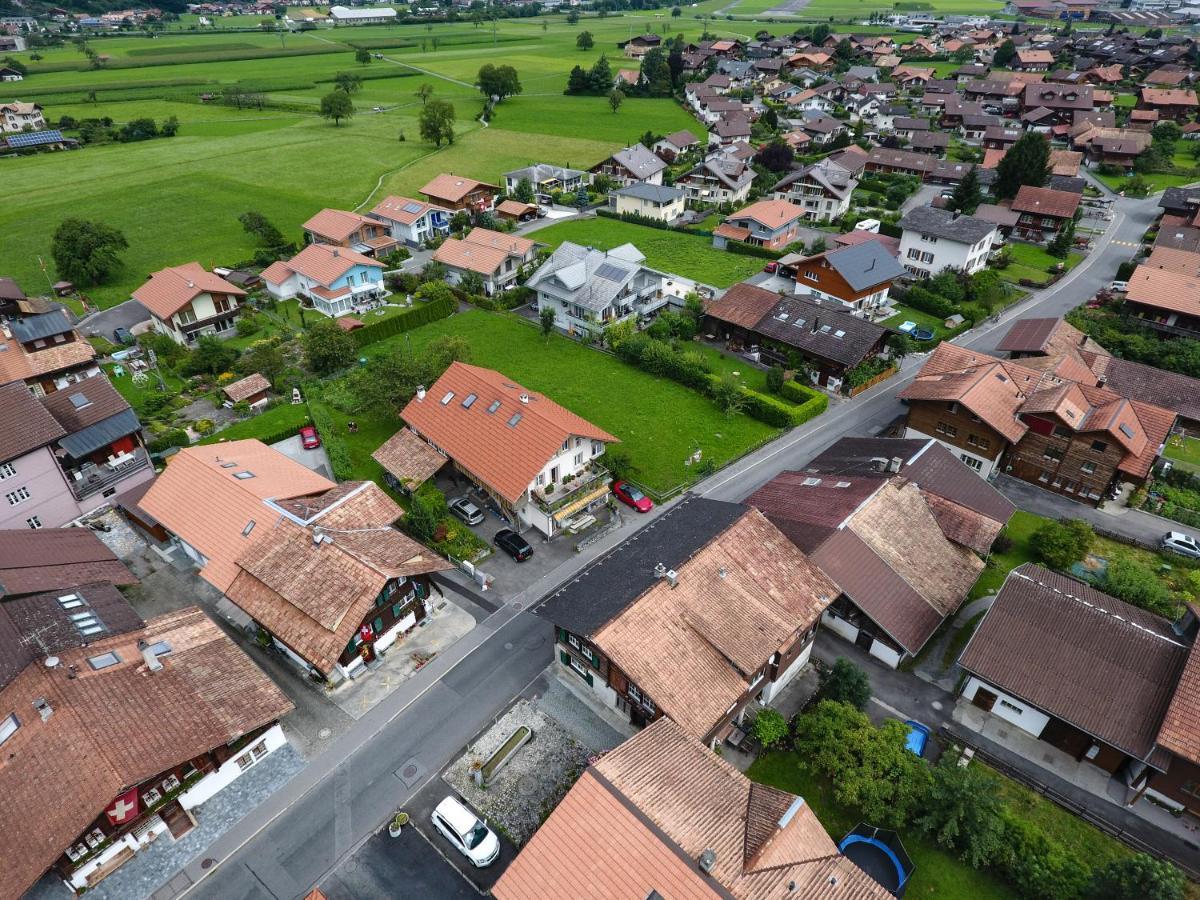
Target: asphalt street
[(331, 809)]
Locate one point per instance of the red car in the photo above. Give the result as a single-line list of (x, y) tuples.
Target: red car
[(631, 496), (309, 438), (771, 268)]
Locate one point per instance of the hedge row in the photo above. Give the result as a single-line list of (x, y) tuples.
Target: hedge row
[(638, 219), (744, 249), (779, 413), (335, 446), (419, 315)]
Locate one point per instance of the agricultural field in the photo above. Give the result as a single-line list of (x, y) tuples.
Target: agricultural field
[(859, 9), (690, 255), (177, 199)]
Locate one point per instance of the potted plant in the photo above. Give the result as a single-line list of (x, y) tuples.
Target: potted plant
[(398, 822)]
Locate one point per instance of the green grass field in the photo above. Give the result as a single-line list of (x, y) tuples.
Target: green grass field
[(1032, 263), (689, 255), (659, 422)]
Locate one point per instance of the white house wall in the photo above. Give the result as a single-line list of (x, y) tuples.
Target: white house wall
[(215, 782), (981, 465), (1009, 708)]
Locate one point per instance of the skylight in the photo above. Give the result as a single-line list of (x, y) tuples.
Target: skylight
[(104, 660), (79, 401), (1126, 430), (516, 417), (495, 405), (449, 396), (228, 465), (469, 400), (70, 601), (8, 727), (811, 482), (242, 476), (249, 528)]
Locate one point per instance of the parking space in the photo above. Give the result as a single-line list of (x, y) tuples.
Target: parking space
[(316, 459), (404, 867)]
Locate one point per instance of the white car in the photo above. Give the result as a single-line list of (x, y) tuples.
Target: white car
[(1183, 544), (470, 836)]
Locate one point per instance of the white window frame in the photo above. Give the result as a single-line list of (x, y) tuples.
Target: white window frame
[(7, 470), (17, 497)]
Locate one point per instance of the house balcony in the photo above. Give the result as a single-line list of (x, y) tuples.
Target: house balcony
[(565, 499), (91, 478)]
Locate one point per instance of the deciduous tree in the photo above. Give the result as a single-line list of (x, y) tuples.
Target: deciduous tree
[(845, 682), (327, 348), (615, 98), (362, 56), (1062, 544), (498, 81), (86, 252), (423, 93), (1138, 877), (337, 105), (266, 234), (1026, 163), (437, 122), (584, 40), (349, 82)]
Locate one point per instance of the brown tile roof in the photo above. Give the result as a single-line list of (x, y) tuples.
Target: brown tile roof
[(408, 458), (809, 508), (403, 209), (515, 207), (963, 525), (245, 388), (744, 304), (1169, 97), (505, 457), (991, 389), (453, 188), (717, 629), (337, 224), (690, 800), (170, 290), (108, 730), (85, 403), (1180, 731), (472, 257), (1104, 666), (200, 500), (320, 262), (1181, 262), (1045, 202), (1163, 289), (512, 244), (1137, 381), (770, 213), (51, 558), (25, 424), (313, 594), (1046, 336), (731, 232)]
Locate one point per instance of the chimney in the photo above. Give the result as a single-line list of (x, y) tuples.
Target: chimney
[(722, 572), (524, 398), (879, 463), (816, 324), (708, 859), (335, 253), (420, 392), (149, 657), (45, 710), (670, 575), (894, 464)]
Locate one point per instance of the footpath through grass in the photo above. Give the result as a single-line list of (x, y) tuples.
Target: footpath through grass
[(675, 252), (660, 423)]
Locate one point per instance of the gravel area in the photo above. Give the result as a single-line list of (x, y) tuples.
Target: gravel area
[(530, 786), (120, 538), (584, 725)]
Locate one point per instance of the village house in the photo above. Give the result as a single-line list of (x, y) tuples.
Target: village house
[(455, 192), (45, 352), (717, 180), (772, 224), (645, 815), (855, 278), (8, 73), (1044, 212), (197, 714), (653, 201), (253, 390), (695, 584), (588, 288), (1171, 103), (1051, 660), (675, 145), (339, 228), (1063, 101), (268, 532), (631, 165), (66, 454), (821, 189), (17, 116), (546, 179), (937, 239), (334, 280), (56, 559), (1165, 299), (187, 301), (1033, 60), (412, 222), (902, 162), (637, 47), (536, 462), (496, 257), (783, 328), (903, 554), (1048, 422), (729, 130)]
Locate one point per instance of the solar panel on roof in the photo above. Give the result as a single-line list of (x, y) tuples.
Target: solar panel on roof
[(35, 139), (79, 401), (609, 272), (412, 207)]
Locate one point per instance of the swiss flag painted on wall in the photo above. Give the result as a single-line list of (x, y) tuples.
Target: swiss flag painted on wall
[(124, 808)]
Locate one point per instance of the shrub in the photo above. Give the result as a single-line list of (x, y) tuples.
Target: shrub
[(436, 309), (845, 683), (246, 325), (775, 379), (1129, 580), (1136, 877), (963, 813), (175, 437), (798, 392), (1062, 544), (770, 727), (1002, 544), (205, 426)]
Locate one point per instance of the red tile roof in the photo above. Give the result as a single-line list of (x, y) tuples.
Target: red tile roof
[(506, 457), (1046, 202), (170, 290)]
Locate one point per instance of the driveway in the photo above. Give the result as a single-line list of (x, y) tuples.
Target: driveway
[(316, 460), (1133, 524), (125, 315), (407, 866)]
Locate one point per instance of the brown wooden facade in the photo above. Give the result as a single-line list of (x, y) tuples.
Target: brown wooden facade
[(399, 598), (816, 273), (954, 424), (1054, 456)]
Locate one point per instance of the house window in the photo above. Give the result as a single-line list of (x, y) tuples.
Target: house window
[(573, 641), (1089, 468), (1044, 477), (811, 276), (1191, 788), (597, 448), (1052, 453), (1011, 707), (914, 253), (186, 316), (972, 463), (34, 522), (579, 459), (20, 495), (104, 660), (8, 727), (1061, 431), (1099, 446), (947, 430), (151, 797), (253, 755), (7, 471)]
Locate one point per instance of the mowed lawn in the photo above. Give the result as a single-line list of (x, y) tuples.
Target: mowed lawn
[(660, 423), (676, 252)]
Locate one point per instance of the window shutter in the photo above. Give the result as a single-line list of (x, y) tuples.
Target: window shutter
[(565, 657)]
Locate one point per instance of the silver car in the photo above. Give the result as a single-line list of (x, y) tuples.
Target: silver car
[(466, 510), (1183, 544)]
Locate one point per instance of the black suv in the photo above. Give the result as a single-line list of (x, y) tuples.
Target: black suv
[(513, 544)]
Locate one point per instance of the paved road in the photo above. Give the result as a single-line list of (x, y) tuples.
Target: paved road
[(333, 807), (1130, 523), (124, 315)]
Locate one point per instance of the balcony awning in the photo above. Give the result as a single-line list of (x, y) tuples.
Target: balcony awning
[(580, 502), (103, 433)]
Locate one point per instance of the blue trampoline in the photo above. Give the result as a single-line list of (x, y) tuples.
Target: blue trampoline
[(879, 853)]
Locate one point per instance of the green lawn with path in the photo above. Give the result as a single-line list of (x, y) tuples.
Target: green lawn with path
[(675, 252), (269, 425), (660, 423), (924, 320), (1032, 263)]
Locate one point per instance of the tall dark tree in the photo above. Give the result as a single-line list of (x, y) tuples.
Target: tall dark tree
[(967, 194), (85, 252), (656, 73), (600, 78), (776, 156), (578, 82), (1004, 54), (1026, 163)]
